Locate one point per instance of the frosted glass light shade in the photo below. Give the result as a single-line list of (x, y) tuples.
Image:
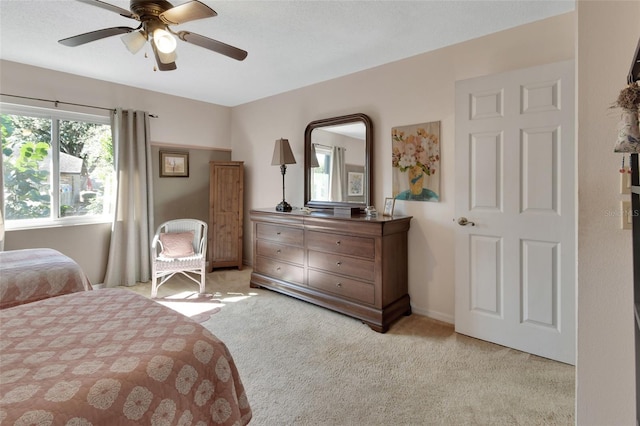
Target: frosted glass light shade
[(167, 58), (134, 41), (165, 42)]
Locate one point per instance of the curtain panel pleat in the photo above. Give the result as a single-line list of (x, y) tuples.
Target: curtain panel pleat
[(336, 177), (132, 230), (1, 206)]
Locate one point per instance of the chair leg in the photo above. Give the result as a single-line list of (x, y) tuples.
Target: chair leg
[(202, 279), (154, 282)]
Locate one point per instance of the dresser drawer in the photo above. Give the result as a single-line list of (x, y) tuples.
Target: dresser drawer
[(280, 251), (280, 234), (342, 286), (341, 244), (357, 268), (280, 270)]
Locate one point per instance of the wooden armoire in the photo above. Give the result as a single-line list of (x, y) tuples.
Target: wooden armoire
[(226, 194)]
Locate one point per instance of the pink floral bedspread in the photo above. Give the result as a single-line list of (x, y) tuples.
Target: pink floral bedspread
[(33, 274), (114, 357)]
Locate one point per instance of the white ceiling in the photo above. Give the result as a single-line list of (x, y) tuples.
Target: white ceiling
[(291, 44)]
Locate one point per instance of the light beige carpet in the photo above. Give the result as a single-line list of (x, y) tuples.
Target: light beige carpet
[(305, 365)]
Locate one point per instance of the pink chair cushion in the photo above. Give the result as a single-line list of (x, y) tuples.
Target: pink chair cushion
[(177, 244)]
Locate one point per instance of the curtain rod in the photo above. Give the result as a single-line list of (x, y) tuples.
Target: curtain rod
[(56, 103), (326, 146)]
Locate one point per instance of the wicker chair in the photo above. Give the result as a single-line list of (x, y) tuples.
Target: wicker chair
[(165, 264)]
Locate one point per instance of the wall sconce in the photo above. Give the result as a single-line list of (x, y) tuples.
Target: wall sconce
[(282, 156), (314, 156)]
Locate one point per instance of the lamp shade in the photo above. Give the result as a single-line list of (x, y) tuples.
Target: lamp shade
[(314, 156), (282, 153), (134, 41), (167, 58), (165, 42)]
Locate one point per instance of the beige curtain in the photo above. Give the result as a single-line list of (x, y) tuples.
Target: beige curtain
[(1, 219), (132, 230), (336, 177), (1, 205)]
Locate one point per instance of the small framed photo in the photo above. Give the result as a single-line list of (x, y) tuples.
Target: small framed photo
[(355, 183), (174, 164), (389, 203)]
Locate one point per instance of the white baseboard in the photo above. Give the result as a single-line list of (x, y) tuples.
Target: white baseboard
[(450, 319)]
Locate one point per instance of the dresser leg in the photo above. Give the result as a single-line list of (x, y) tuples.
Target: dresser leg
[(376, 327)]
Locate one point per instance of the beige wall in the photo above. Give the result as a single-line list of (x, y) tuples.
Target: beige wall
[(86, 244), (415, 90), (608, 32), (178, 197), (179, 121)]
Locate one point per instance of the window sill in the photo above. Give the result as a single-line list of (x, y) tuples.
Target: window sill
[(62, 223)]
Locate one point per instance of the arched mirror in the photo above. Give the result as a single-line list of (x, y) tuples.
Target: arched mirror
[(337, 161)]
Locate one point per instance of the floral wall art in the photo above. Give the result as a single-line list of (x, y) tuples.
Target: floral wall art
[(416, 162)]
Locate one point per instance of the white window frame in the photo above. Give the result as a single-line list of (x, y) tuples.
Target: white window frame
[(54, 115)]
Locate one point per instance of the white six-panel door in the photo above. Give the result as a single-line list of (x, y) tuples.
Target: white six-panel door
[(515, 185)]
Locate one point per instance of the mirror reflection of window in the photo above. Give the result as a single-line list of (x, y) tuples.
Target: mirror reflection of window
[(320, 177)]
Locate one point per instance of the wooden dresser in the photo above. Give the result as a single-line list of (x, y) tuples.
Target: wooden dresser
[(353, 265), (226, 194)]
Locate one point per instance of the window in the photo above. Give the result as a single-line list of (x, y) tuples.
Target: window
[(57, 167), (320, 175)]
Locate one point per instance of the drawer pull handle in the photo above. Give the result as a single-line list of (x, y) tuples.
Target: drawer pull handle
[(278, 251), (339, 285), (278, 233), (338, 242), (338, 263), (278, 268)]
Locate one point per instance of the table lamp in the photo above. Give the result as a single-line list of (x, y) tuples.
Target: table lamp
[(282, 156)]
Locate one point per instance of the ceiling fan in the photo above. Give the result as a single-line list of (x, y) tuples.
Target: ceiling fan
[(156, 18)]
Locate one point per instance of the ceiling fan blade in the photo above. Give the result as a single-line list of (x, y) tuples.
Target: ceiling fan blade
[(94, 35), (112, 8), (215, 45), (186, 12), (162, 66)]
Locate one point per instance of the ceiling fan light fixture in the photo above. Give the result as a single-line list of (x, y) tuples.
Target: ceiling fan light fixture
[(134, 41), (165, 42), (156, 18), (167, 58)]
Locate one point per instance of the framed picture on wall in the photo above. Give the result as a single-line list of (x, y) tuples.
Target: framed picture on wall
[(353, 186), (355, 182), (174, 164)]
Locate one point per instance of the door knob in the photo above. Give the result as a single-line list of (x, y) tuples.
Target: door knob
[(464, 222)]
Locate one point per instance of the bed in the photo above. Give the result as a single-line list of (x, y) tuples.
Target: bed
[(34, 274), (112, 356)]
